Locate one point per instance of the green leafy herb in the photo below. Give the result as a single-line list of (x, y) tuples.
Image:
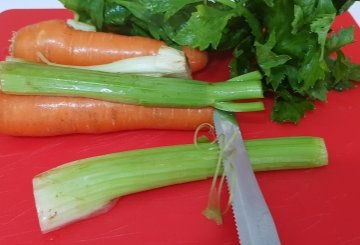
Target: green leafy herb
[(290, 41), (203, 20), (342, 38), (290, 107)]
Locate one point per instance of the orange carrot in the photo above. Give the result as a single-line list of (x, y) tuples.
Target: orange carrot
[(197, 59), (62, 44), (50, 115)]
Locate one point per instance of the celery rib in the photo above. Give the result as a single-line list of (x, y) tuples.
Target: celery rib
[(38, 79), (76, 190)]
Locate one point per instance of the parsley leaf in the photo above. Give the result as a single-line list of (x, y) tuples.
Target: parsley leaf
[(268, 60), (291, 109), (337, 41), (322, 22), (344, 72)]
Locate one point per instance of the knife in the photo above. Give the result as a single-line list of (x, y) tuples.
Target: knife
[(255, 225)]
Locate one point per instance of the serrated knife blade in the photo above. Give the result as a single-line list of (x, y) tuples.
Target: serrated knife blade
[(255, 225)]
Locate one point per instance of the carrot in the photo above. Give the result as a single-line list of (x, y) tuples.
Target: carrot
[(62, 44), (50, 115), (197, 59)]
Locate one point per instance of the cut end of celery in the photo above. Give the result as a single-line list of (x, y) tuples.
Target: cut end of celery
[(323, 159), (323, 153), (51, 208)]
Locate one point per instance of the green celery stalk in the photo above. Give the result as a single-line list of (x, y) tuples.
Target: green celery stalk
[(82, 188), (39, 79)]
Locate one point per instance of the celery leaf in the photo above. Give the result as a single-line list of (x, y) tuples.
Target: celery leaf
[(196, 32)]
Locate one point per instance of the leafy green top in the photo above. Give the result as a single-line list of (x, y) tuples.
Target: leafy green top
[(291, 41)]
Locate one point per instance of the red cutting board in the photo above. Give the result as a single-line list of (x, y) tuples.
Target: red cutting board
[(314, 206)]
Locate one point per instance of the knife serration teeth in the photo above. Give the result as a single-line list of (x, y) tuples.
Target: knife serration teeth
[(233, 211)]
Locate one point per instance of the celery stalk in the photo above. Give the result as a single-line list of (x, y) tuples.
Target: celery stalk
[(169, 62), (40, 79), (82, 188), (82, 26)]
